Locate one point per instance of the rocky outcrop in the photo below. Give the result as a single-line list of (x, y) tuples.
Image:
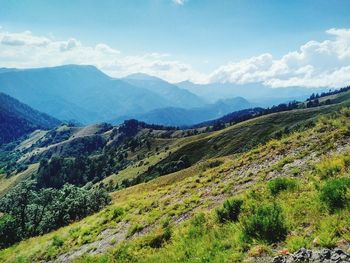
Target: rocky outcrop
[(306, 255)]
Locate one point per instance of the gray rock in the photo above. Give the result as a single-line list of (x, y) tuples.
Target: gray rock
[(335, 257), (279, 259), (325, 253), (302, 255)]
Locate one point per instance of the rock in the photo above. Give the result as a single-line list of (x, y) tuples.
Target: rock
[(279, 259), (325, 254), (335, 257), (302, 255)]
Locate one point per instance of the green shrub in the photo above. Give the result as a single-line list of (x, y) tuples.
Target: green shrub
[(334, 193), (229, 211), (117, 212), (265, 223), (280, 184), (8, 231), (57, 241)]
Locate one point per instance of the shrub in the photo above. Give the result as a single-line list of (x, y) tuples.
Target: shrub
[(265, 223), (8, 231), (280, 184), (334, 193), (229, 211), (57, 241), (117, 212)]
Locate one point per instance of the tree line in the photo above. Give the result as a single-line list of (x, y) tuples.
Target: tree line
[(29, 210)]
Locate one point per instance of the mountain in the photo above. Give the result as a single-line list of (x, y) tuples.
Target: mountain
[(18, 119), (257, 93), (85, 94), (176, 96), (258, 190), (172, 116)]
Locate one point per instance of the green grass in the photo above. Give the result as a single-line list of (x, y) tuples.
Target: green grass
[(187, 199), (7, 182)]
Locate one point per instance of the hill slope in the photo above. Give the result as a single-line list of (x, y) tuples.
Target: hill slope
[(174, 218), (18, 119), (167, 200)]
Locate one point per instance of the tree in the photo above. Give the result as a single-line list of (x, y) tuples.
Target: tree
[(8, 231), (29, 210)]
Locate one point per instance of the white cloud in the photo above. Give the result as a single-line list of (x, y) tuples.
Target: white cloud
[(69, 45), (315, 64), (22, 39), (25, 50), (179, 2)]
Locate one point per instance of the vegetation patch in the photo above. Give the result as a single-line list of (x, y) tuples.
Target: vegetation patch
[(281, 184), (335, 193), (229, 211), (266, 223)]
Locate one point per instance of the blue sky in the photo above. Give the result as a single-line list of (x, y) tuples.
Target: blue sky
[(203, 34)]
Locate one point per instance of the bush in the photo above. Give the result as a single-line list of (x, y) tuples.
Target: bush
[(8, 231), (57, 241), (229, 211), (334, 193), (117, 212), (280, 184), (265, 223)]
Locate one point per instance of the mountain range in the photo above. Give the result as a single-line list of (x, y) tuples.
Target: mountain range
[(172, 116), (254, 92), (87, 95)]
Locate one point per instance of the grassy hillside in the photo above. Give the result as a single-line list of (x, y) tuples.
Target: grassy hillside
[(180, 217), (237, 138)]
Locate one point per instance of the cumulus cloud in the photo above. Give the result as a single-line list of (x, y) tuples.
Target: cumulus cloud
[(315, 64), (25, 50), (69, 45), (22, 39)]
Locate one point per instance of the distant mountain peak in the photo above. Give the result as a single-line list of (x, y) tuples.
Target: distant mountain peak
[(141, 76), (185, 82)]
